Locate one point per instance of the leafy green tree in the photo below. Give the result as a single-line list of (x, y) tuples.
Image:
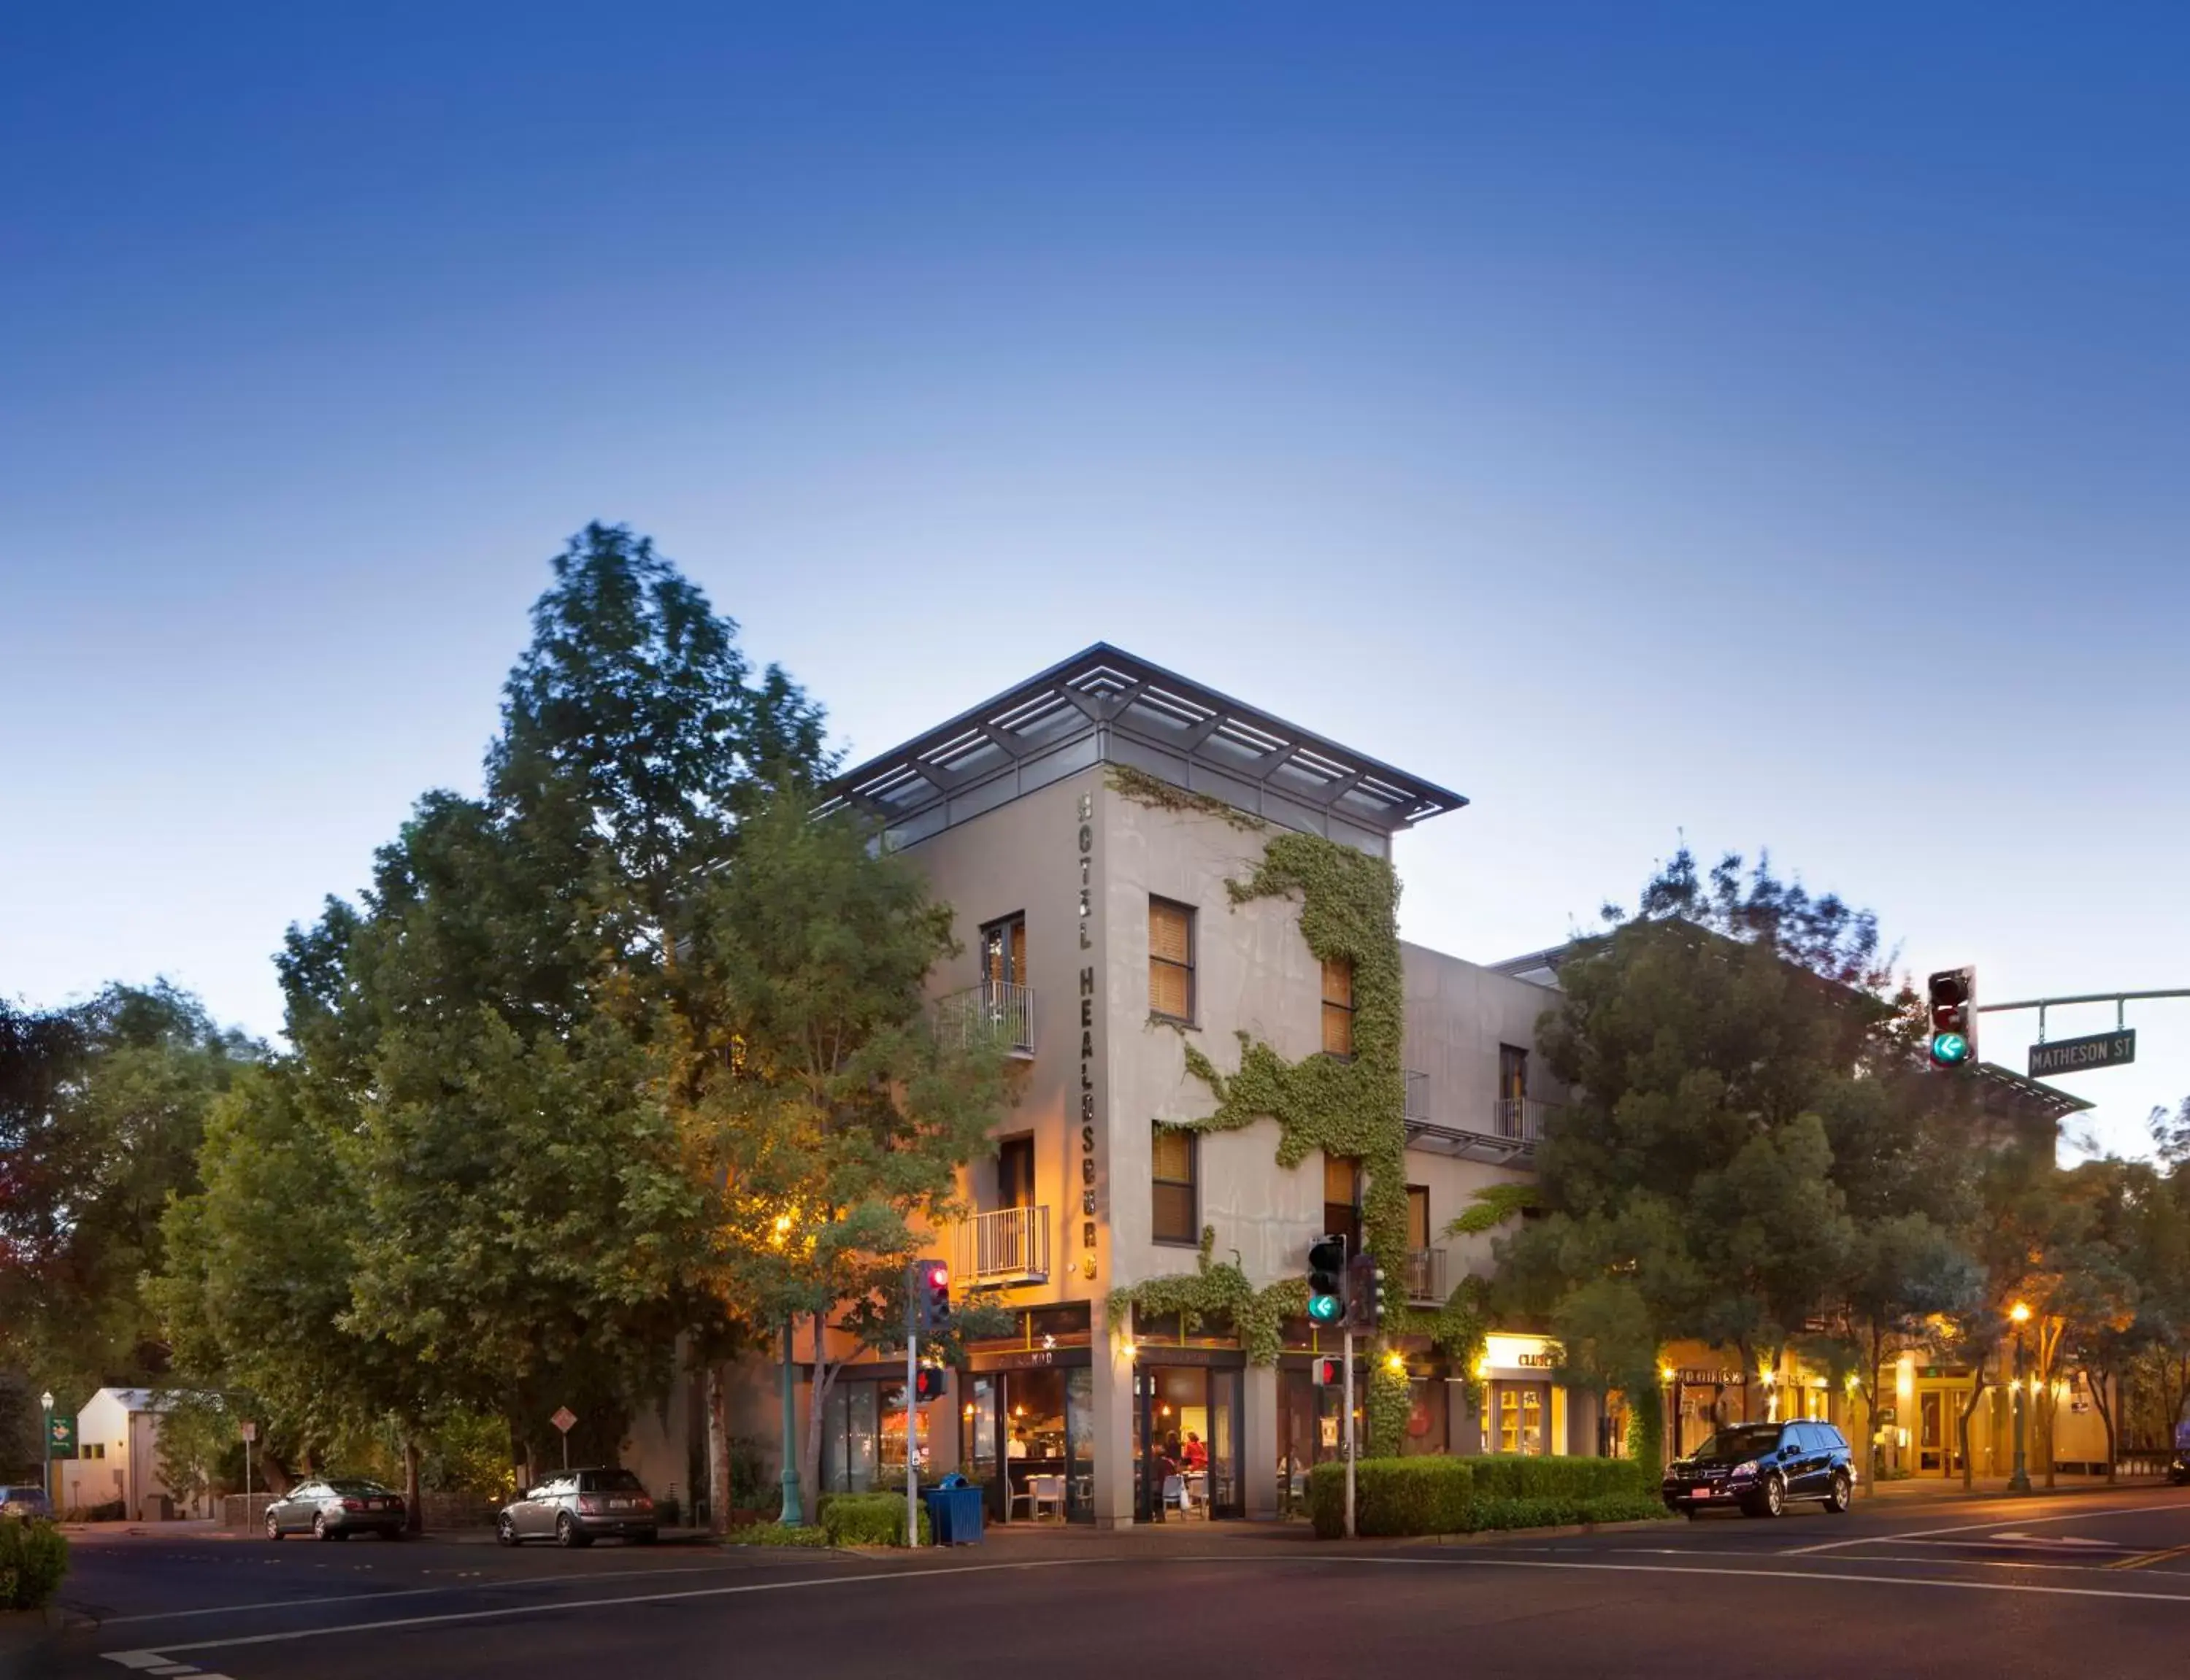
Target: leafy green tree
[(102, 1106), (1717, 1043), (831, 1116)]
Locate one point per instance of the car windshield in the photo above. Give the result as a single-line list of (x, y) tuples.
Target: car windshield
[(1731, 1447), (355, 1486), (613, 1481)]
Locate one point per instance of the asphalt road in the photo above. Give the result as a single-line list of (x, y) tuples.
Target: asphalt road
[(2091, 1586)]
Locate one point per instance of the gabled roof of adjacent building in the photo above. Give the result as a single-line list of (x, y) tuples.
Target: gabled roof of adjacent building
[(1105, 706)]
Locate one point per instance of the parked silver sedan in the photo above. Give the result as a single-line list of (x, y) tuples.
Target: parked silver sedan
[(335, 1508), (575, 1508)]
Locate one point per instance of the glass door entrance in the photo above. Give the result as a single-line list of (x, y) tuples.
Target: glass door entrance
[(1029, 1440), (1186, 1443)]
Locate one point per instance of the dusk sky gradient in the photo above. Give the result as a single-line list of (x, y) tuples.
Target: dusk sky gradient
[(1770, 424)]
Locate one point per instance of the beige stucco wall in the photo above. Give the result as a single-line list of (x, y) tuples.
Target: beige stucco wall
[(1253, 973)]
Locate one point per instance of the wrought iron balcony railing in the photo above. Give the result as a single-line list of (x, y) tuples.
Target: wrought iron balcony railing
[(1426, 1269), (1009, 1246), (994, 1006)]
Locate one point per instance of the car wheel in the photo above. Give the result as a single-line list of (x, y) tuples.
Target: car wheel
[(273, 1526), (505, 1530), (320, 1529), (1775, 1496), (568, 1534), (1836, 1502)]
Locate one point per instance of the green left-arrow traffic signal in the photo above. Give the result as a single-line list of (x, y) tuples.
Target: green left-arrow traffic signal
[(1326, 1280)]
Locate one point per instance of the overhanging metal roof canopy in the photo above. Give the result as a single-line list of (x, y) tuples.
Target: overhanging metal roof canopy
[(1103, 705)]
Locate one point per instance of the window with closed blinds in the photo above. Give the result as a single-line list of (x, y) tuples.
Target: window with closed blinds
[(1338, 1007), (1171, 1189), (1342, 1199), (1170, 960)]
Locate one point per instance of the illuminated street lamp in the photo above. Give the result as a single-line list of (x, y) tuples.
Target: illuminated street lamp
[(46, 1407), (2020, 1481)]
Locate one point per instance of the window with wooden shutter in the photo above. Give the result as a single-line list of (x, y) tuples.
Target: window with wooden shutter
[(1172, 1210), (1338, 1007), (1170, 960)]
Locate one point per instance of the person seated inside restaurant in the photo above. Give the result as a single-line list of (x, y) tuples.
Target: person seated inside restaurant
[(1197, 1455)]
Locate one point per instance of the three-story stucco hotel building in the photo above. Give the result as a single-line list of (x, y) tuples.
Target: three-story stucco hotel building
[(1085, 826)]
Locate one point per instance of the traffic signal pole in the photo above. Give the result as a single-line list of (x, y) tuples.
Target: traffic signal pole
[(912, 1438), (1346, 1403)]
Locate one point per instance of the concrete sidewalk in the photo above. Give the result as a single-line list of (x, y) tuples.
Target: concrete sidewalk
[(1922, 1489)]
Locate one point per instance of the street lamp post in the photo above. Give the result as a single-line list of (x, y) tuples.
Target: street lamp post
[(2020, 1481), (793, 1514), (46, 1431)]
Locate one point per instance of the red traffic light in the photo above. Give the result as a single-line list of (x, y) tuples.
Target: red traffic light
[(928, 1383), (1329, 1373)]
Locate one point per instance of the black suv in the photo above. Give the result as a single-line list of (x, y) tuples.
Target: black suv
[(1760, 1466)]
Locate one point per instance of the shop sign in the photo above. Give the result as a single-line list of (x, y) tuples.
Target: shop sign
[(1702, 1377), (1089, 1203)]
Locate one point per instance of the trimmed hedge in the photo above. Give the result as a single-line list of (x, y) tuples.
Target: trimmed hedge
[(868, 1519), (33, 1559), (1462, 1496), (777, 1534)]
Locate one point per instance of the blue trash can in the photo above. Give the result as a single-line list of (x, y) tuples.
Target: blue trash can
[(954, 1512)]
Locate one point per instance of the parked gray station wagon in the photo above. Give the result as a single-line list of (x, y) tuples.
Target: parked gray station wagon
[(20, 1499), (335, 1508), (575, 1508)]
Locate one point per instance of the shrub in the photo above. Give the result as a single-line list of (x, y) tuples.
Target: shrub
[(777, 1534), (1392, 1496), (1516, 1476), (33, 1559), (1460, 1496), (867, 1519)]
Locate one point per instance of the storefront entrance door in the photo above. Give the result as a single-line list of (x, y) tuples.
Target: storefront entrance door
[(1186, 1443)]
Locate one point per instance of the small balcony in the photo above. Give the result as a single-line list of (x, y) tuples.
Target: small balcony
[(1521, 1119), (998, 1007), (1009, 1246), (1417, 1103), (1425, 1284)]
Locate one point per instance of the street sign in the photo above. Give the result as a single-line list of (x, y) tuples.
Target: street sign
[(2075, 1056), (60, 1438), (563, 1418), (250, 1430)]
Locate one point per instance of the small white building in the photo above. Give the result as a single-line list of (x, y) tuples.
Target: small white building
[(118, 1444)]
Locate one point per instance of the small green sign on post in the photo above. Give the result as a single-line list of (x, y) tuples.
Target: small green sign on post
[(60, 1438)]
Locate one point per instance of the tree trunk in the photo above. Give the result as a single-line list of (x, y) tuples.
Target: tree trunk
[(2097, 1380), (1977, 1387), (414, 1508), (718, 1451), (1877, 1456), (817, 1396)]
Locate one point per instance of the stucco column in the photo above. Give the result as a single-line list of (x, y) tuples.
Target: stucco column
[(1114, 1426), (1258, 1443)]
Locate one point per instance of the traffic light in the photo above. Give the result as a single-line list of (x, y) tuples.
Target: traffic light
[(1954, 996), (931, 1295), (1328, 1372), (1326, 1280), (927, 1382), (1375, 1281)]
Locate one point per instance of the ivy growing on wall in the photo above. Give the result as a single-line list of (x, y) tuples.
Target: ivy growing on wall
[(1354, 1108), (1218, 1290)]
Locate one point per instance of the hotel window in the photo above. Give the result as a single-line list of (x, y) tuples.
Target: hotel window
[(1173, 1198), (1338, 1006), (1015, 1172), (1170, 960), (1003, 950), (1418, 1216), (1512, 1074), (1342, 1200)]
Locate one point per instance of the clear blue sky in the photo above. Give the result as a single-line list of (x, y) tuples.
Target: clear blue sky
[(1765, 421)]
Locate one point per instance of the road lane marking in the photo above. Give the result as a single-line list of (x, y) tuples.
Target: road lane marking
[(480, 1583), (2143, 1559), (151, 1656), (138, 1660), (1975, 1528)]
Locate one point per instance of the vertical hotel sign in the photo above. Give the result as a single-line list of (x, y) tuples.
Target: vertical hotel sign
[(1088, 1193)]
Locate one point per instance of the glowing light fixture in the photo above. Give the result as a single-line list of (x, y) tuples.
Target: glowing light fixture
[(2020, 1313)]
